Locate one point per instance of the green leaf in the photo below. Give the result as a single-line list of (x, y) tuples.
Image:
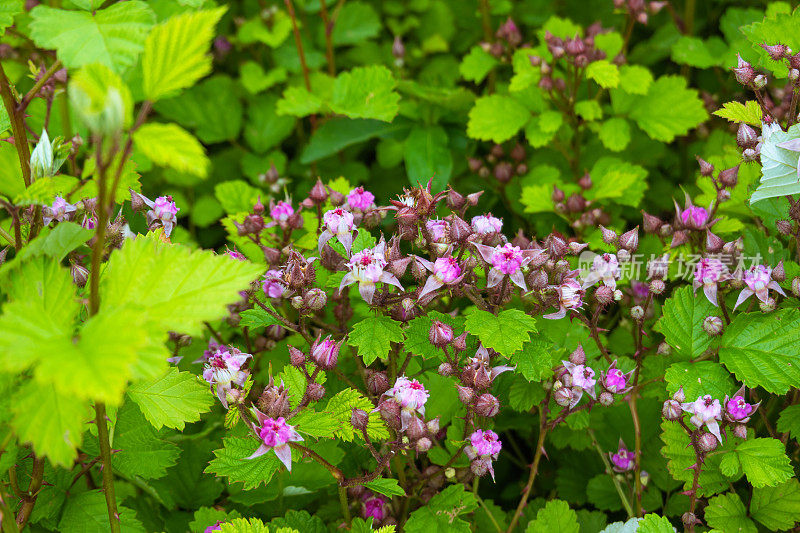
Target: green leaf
[(101, 99), (339, 133), (726, 512), (556, 516), (255, 80), (615, 134), (778, 165), (173, 286), (8, 10), (602, 493), (505, 332), (176, 52), (315, 424), (604, 72), (698, 379), (169, 145), (749, 112), (764, 350), (141, 451), (681, 323), (680, 456), (236, 196), (366, 92), (652, 523), (113, 36), (87, 513), (299, 102), (441, 514), (172, 400), (372, 337), (257, 318), (249, 525), (777, 508), (231, 461), (341, 408), (699, 53), (635, 79), (523, 395), (496, 118), (387, 487), (264, 128), (53, 423), (356, 22), (535, 359), (427, 155), (789, 421), (589, 110), (477, 64), (619, 180), (273, 35), (668, 110), (764, 462), (208, 516)]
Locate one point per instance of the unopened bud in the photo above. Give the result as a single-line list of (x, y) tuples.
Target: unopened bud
[(664, 349), (377, 383), (563, 396), (460, 342), (651, 224), (80, 274), (318, 193), (423, 445), (657, 286), (713, 325), (445, 369), (746, 137), (315, 392), (779, 272), (706, 168), (679, 396), (359, 419), (671, 410), (465, 394), (759, 81), (637, 313), (604, 295), (707, 442), (440, 334), (740, 431), (296, 357), (768, 306), (609, 236), (578, 356), (606, 399), (630, 240), (487, 405), (796, 286), (297, 302), (784, 226), (730, 176)]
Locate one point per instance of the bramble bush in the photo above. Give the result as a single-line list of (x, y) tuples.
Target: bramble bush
[(424, 265)]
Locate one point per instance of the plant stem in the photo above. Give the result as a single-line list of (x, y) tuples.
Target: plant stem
[(17, 127), (534, 470), (328, 22), (625, 503), (344, 504), (108, 474), (38, 85), (30, 495)]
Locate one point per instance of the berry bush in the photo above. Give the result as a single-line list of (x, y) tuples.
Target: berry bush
[(399, 266)]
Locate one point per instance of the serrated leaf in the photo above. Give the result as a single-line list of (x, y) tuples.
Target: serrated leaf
[(652, 523), (698, 379), (556, 516), (505, 332), (172, 400), (169, 145), (535, 359), (373, 337), (298, 102), (764, 350), (314, 424), (249, 525), (113, 36), (615, 134), (635, 79), (749, 112), (257, 318), (680, 456), (604, 72), (779, 175), (387, 487), (602, 493), (589, 110), (476, 64), (619, 180), (366, 92), (174, 287), (700, 53), (231, 462), (777, 508), (496, 118), (141, 451), (789, 421), (726, 512), (341, 408), (681, 322), (443, 511), (355, 23), (8, 10), (176, 52), (764, 462), (427, 155), (87, 513)]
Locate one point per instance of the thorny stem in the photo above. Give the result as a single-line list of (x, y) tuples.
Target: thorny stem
[(49, 73), (534, 469), (637, 426), (29, 496), (610, 472), (695, 482), (17, 127), (14, 212)]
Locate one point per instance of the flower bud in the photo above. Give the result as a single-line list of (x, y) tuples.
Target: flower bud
[(776, 51), (315, 392), (487, 405), (377, 383), (336, 198), (604, 295), (671, 410), (730, 176), (359, 419), (779, 272), (794, 74), (503, 172), (784, 226), (416, 429), (637, 313), (713, 243), (460, 342), (423, 445), (296, 357), (315, 299), (740, 431), (606, 398), (706, 168), (460, 230), (679, 238), (796, 286), (630, 240), (759, 81), (297, 302), (585, 182), (480, 465), (318, 193), (664, 349), (558, 195), (713, 325), (563, 396), (465, 394), (679, 396), (744, 72), (609, 236), (576, 203), (390, 412), (746, 137), (689, 519), (650, 224), (657, 286), (768, 306), (707, 442), (80, 274), (440, 334), (445, 369)]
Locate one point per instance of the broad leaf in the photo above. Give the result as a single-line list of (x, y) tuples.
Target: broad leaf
[(172, 400), (169, 145), (372, 337), (366, 92), (556, 516), (496, 118), (681, 322), (764, 462), (505, 332), (778, 507), (726, 512)]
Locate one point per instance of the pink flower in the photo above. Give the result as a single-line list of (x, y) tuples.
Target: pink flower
[(89, 222), (235, 254), (325, 352), (281, 212), (439, 230), (444, 271), (691, 216), (705, 411), (223, 370), (360, 199), (737, 409), (583, 380), (570, 296), (216, 527), (623, 460), (486, 442), (758, 279), (374, 506), (338, 223), (59, 211), (275, 434), (486, 224), (708, 274), (366, 269), (479, 372), (506, 260), (272, 284), (411, 396), (605, 268), (163, 210), (615, 380)]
